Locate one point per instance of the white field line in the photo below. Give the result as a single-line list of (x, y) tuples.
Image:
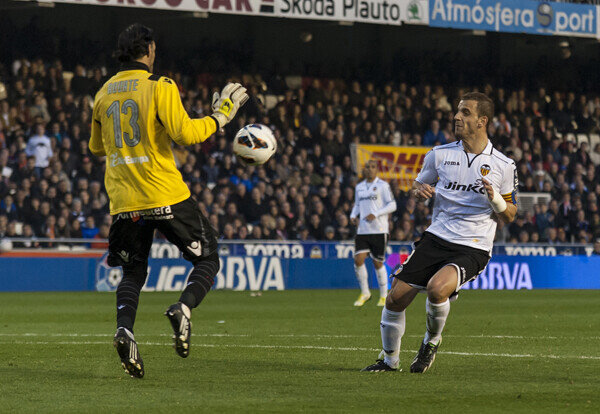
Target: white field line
[(104, 335), (312, 347), (99, 335), (445, 336)]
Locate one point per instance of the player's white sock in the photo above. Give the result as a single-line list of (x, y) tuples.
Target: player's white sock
[(382, 279), (436, 319), (392, 329), (363, 278)]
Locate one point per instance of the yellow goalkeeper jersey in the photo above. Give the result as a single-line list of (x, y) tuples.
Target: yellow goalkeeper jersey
[(136, 115)]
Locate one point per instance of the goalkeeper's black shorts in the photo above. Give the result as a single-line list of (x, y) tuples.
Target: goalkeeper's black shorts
[(431, 253), (183, 224)]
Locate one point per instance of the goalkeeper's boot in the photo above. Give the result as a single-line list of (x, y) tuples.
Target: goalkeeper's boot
[(381, 301), (380, 365), (131, 361), (362, 299), (179, 316), (425, 357)]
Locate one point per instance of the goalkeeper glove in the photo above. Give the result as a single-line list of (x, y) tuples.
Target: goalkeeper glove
[(228, 102)]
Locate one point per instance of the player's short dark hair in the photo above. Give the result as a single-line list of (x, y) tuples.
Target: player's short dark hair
[(133, 42), (485, 106)]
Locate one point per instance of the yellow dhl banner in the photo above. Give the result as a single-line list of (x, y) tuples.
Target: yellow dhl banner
[(393, 163)]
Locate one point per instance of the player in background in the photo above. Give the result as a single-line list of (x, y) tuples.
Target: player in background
[(474, 185), (373, 204), (136, 117)]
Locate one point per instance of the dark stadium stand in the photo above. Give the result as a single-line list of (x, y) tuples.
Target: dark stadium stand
[(51, 186)]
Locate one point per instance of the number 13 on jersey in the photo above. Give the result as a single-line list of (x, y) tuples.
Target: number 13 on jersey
[(114, 110)]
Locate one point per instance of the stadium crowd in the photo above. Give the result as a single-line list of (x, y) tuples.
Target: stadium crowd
[(51, 186)]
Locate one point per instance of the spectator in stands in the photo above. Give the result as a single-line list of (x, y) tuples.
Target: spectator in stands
[(8, 208), (103, 231), (75, 229), (311, 119), (329, 233), (596, 251), (89, 231), (552, 235), (542, 218), (281, 232), (228, 232), (39, 109), (595, 155), (434, 136), (256, 233), (3, 225), (80, 83), (39, 146), (32, 243), (62, 230), (303, 234), (242, 233), (254, 208), (211, 171)]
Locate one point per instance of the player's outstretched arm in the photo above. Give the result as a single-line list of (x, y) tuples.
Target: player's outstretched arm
[(422, 191), (505, 211), (174, 118)]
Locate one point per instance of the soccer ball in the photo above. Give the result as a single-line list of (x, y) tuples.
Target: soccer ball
[(254, 144)]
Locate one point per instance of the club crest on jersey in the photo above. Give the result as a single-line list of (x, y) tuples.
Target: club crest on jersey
[(484, 170)]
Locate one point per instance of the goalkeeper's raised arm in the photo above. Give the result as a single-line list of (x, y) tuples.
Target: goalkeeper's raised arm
[(186, 131)]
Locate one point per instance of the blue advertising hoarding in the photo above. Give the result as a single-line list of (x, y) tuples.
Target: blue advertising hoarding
[(536, 272), (33, 274), (516, 16), (274, 273), (277, 273)]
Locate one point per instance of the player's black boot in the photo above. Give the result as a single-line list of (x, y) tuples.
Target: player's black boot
[(379, 366), (182, 328), (131, 361), (425, 357)]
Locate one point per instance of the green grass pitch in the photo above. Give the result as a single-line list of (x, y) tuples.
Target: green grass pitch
[(301, 351)]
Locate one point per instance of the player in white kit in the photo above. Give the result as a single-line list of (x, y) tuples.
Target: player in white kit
[(474, 185), (373, 204)]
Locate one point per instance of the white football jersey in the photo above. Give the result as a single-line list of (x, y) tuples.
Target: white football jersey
[(373, 198), (462, 213)]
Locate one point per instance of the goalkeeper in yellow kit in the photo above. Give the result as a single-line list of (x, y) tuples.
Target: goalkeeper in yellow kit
[(136, 115)]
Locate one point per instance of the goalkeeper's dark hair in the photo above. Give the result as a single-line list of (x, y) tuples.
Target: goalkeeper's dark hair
[(133, 43), (485, 106)]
